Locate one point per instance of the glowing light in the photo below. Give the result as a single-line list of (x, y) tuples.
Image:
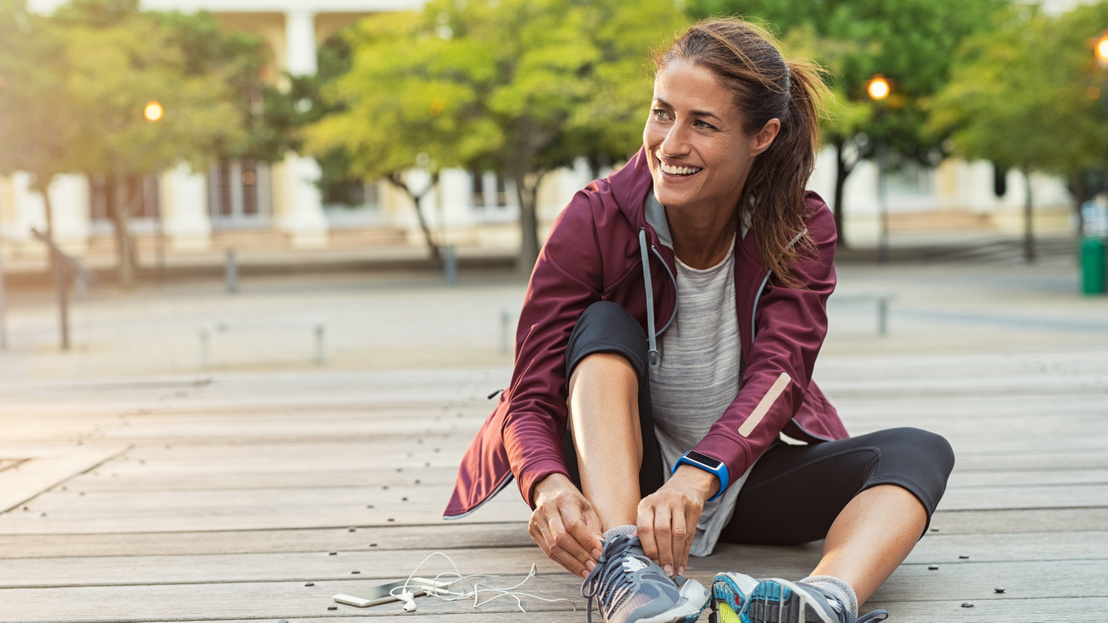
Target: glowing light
[(153, 111), (878, 87)]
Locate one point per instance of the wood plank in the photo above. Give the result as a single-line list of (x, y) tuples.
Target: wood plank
[(147, 519), (1020, 521), (285, 600), (1024, 582), (36, 474), (381, 563), (450, 536)]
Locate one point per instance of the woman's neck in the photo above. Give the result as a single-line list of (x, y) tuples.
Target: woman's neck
[(702, 241)]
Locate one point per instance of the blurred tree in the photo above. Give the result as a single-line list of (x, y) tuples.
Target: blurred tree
[(911, 42), (1029, 96), (79, 82), (36, 123), (519, 87)]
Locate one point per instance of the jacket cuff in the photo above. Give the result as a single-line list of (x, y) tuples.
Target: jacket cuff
[(734, 454), (531, 475)]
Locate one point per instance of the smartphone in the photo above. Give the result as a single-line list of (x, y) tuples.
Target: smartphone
[(385, 593)]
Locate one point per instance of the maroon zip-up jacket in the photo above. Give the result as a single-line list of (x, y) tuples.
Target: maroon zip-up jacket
[(593, 253)]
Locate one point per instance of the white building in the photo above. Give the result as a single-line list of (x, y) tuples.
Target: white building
[(254, 205)]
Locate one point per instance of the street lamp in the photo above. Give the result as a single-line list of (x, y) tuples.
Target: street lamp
[(153, 111), (878, 88), (1100, 48)]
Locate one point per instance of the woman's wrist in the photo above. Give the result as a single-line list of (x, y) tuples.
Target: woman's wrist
[(704, 483)]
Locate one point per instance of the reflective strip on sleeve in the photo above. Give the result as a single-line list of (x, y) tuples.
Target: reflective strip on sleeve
[(762, 409)]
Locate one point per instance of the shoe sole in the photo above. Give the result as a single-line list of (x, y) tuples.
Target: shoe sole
[(728, 599), (693, 600), (779, 601)]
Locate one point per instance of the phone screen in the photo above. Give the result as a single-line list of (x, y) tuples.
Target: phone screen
[(385, 593)]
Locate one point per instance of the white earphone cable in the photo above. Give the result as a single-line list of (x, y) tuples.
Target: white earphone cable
[(442, 583)]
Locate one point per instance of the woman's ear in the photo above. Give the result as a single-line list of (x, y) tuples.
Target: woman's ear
[(764, 138)]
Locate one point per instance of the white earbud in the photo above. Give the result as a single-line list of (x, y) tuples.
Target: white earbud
[(409, 601)]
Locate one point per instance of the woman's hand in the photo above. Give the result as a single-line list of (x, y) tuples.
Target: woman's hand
[(667, 518), (565, 525)]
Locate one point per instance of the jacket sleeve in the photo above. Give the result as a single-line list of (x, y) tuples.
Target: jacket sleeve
[(791, 323), (567, 278)]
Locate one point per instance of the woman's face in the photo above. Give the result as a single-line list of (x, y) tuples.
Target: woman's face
[(699, 154)]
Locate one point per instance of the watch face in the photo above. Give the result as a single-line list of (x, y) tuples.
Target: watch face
[(706, 461)]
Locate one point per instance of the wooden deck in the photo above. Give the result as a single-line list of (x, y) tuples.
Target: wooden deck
[(258, 497)]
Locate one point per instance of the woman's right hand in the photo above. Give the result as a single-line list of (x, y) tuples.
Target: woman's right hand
[(565, 525)]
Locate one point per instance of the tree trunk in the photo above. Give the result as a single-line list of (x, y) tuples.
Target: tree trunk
[(436, 254), (1079, 187), (119, 206), (527, 195), (1028, 233), (842, 171), (417, 201), (43, 188)]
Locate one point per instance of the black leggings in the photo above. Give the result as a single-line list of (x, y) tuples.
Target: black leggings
[(794, 492)]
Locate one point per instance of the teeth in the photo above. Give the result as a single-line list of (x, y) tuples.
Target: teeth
[(678, 170)]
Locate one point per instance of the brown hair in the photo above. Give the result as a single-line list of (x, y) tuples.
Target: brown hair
[(746, 58)]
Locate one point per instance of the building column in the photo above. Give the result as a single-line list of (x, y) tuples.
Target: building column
[(185, 217), (300, 213)]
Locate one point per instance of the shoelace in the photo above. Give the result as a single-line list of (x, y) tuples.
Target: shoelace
[(608, 581), (876, 615)]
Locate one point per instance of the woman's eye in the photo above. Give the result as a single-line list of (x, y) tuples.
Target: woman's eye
[(660, 114), (704, 124)]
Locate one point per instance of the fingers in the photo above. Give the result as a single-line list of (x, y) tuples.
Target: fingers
[(566, 528), (666, 528)]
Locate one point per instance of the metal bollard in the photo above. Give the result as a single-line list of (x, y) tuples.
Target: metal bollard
[(505, 331), (231, 273), (450, 264)]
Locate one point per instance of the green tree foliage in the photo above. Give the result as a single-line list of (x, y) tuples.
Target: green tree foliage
[(36, 123), (1030, 96), (77, 84), (911, 42), (520, 87)]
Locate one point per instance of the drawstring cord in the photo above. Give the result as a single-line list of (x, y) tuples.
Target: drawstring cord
[(653, 356)]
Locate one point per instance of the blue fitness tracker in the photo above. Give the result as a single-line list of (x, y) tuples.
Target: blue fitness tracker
[(708, 464)]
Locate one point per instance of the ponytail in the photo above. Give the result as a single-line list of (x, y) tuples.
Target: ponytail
[(779, 176)]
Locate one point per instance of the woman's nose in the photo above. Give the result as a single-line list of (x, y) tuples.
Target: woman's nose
[(675, 143)]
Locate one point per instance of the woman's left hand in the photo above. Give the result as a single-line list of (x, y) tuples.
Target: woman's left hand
[(667, 518)]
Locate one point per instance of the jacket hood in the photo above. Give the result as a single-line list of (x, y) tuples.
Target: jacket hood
[(630, 186)]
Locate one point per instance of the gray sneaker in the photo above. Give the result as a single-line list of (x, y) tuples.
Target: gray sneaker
[(780, 601), (631, 588)]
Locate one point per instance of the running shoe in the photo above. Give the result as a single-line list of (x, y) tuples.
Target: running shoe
[(780, 601), (729, 594), (630, 588)]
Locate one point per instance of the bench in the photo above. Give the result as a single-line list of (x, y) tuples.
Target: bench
[(881, 300), (207, 329)]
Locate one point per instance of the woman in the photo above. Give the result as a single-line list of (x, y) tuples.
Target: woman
[(667, 343)]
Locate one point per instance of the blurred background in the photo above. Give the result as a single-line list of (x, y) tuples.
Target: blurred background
[(207, 141)]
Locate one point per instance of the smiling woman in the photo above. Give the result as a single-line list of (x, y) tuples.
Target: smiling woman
[(666, 343)]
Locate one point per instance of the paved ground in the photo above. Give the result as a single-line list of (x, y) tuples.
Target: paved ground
[(402, 319)]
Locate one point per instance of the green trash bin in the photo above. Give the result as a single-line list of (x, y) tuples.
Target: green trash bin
[(1093, 266)]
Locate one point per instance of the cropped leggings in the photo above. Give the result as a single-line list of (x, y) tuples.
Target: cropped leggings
[(794, 492)]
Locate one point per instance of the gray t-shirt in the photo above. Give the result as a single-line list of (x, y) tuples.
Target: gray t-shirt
[(698, 378)]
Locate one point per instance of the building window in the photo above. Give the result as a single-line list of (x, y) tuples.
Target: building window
[(493, 197), (238, 193), (352, 203), (138, 196)]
